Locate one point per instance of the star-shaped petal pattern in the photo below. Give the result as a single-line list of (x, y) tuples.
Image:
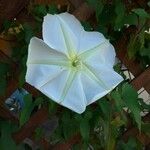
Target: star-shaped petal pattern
[(71, 66)]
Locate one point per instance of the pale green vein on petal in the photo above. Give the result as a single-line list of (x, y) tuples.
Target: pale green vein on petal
[(93, 75), (50, 62), (69, 43), (49, 80), (93, 50), (68, 84)]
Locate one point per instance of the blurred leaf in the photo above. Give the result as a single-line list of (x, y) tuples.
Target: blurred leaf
[(130, 98), (22, 77), (6, 141), (27, 109), (97, 5), (52, 9), (39, 12), (28, 32), (130, 145), (69, 125), (6, 24), (120, 11), (145, 52), (117, 122), (38, 101), (3, 69), (107, 15), (86, 25), (148, 3), (141, 13), (143, 104), (131, 19), (105, 108), (85, 129), (146, 128), (3, 85), (52, 107), (133, 46), (118, 100), (38, 133), (88, 115)]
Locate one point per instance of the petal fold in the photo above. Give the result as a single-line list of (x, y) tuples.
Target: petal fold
[(61, 32), (104, 54), (89, 40), (41, 53)]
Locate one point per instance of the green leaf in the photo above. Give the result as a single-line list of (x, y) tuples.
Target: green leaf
[(130, 98), (105, 108), (144, 105), (117, 122), (38, 101), (86, 26), (22, 77), (145, 52), (88, 115), (52, 107), (85, 129), (118, 100), (107, 15), (27, 109), (97, 5), (133, 46), (6, 24), (141, 13), (3, 69), (69, 125), (28, 32), (6, 141), (120, 11), (146, 128), (38, 133), (52, 9), (148, 3), (40, 11), (130, 145), (3, 85), (131, 19)]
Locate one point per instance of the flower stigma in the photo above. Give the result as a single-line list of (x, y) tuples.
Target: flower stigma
[(75, 62)]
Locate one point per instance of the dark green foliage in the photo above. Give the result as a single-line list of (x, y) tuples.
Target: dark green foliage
[(6, 128), (4, 72), (115, 17), (29, 105), (39, 11)]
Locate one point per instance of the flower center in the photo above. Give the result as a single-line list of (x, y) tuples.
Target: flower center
[(75, 62)]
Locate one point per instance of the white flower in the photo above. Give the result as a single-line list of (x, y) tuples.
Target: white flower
[(71, 66)]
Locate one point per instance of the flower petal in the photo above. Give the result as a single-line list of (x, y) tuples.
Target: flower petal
[(105, 78), (53, 88), (89, 40), (43, 63), (102, 54), (40, 53), (61, 31), (74, 98), (37, 75), (92, 89)]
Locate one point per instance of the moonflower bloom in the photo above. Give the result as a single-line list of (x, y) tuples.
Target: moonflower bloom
[(71, 66)]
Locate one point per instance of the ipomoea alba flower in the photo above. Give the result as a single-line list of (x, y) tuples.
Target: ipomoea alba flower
[(71, 66)]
